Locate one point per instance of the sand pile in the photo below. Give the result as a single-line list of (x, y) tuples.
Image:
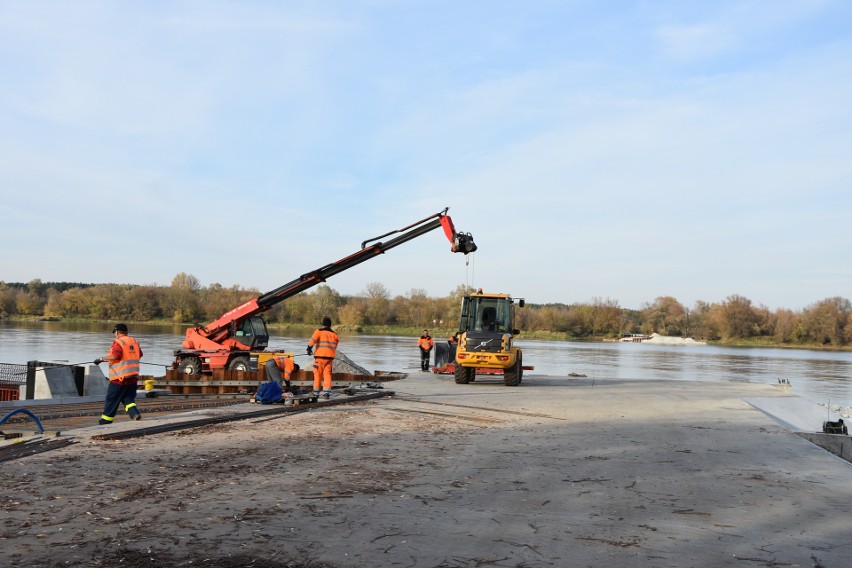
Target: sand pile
[(668, 340)]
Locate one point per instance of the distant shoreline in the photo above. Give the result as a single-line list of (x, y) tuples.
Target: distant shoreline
[(443, 332)]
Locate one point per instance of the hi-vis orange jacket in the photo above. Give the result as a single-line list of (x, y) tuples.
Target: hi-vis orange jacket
[(126, 369), (425, 343), (285, 364), (324, 341)]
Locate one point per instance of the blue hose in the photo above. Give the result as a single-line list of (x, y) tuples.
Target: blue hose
[(28, 413)]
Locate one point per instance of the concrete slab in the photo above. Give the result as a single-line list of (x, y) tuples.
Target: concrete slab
[(95, 382), (558, 472), (838, 444), (794, 413), (55, 382)]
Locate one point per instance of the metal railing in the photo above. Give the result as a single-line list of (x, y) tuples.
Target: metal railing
[(13, 374), (12, 378)]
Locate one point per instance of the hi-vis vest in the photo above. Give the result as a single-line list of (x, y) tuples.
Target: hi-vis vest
[(286, 365), (128, 365), (425, 343), (324, 341)]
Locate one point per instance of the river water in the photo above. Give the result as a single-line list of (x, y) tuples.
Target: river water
[(823, 377)]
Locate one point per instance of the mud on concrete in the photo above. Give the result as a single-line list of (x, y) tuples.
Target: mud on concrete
[(557, 472)]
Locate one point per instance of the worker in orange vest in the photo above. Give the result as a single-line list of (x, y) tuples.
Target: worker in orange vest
[(325, 341), (123, 359), (281, 369), (425, 343)]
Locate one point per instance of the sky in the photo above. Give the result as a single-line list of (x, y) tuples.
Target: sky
[(595, 149)]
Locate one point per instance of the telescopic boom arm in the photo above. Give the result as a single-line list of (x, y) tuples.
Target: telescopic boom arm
[(221, 330)]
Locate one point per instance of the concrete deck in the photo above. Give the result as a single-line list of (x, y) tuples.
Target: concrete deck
[(572, 472), (612, 473)]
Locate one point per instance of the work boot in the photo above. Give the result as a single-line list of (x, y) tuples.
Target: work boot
[(326, 394), (102, 421), (135, 415), (315, 393)]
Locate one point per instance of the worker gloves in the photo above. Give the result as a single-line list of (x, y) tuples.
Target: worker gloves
[(309, 350), (97, 361)]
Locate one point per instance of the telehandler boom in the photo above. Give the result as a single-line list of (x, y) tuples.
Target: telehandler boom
[(227, 342)]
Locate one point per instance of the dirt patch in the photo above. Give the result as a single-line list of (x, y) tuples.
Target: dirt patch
[(196, 497)]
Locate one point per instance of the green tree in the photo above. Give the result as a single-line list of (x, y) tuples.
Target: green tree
[(324, 301), (827, 321), (738, 318), (665, 315), (29, 303), (181, 305), (787, 324), (145, 302), (378, 304), (186, 281), (450, 306), (415, 310), (8, 300), (703, 321), (353, 313), (606, 317), (216, 299)]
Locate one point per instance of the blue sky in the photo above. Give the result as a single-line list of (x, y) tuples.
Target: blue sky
[(619, 150)]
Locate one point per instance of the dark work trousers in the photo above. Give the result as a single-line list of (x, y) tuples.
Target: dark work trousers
[(424, 359), (273, 373), (117, 395)]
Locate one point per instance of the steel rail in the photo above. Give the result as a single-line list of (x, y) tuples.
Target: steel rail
[(24, 449), (265, 413)]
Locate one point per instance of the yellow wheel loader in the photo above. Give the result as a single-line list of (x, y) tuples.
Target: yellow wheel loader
[(486, 334)]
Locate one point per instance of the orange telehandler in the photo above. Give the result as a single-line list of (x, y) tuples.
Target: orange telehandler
[(228, 342)]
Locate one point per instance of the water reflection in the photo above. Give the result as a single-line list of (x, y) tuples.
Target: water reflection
[(819, 376)]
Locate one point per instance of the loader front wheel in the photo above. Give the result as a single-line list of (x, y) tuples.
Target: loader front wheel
[(464, 374)]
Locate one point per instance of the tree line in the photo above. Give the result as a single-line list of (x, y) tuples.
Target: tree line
[(736, 319)]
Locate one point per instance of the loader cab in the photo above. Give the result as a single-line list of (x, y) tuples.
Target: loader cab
[(492, 312), (252, 333)]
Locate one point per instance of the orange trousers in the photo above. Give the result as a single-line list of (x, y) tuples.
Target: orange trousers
[(322, 373)]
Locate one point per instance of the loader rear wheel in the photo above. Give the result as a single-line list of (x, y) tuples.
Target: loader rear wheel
[(464, 374), (189, 366), (513, 376), (239, 364)]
